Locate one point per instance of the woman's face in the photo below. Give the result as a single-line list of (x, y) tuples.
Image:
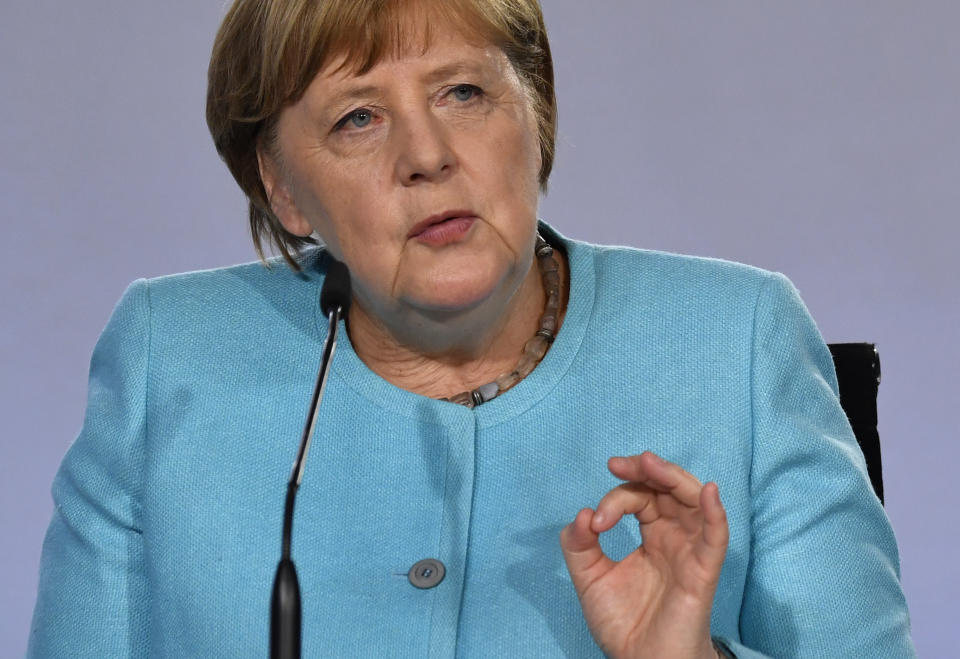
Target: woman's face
[(421, 175)]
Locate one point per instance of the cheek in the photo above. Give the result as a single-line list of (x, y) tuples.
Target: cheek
[(355, 229), (331, 207), (524, 146), (515, 158)]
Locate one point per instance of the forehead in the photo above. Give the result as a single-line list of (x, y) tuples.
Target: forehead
[(449, 57), (401, 30), (443, 57)]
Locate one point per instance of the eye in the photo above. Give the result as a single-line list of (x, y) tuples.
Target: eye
[(357, 119), (464, 93)]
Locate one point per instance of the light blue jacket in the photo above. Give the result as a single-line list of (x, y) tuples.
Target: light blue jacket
[(168, 514)]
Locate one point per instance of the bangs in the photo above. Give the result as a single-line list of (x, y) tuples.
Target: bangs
[(369, 32), (359, 34)]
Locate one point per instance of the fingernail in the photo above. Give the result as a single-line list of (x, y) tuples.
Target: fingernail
[(657, 458), (598, 518)]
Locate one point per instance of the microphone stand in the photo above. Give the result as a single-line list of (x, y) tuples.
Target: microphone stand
[(285, 612)]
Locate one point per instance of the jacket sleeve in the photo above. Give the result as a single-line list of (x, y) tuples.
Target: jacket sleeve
[(92, 598), (823, 579)]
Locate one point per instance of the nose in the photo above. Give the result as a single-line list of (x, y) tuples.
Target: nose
[(425, 153)]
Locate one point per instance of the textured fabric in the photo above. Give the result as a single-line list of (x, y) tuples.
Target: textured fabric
[(166, 531)]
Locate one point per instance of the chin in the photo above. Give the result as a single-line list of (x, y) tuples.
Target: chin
[(453, 297), (456, 301)]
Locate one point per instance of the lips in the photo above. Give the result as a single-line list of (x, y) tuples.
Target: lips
[(426, 225)]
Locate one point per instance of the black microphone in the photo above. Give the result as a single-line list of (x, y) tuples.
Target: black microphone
[(285, 613), (336, 289)]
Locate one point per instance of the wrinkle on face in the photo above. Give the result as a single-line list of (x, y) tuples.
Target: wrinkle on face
[(350, 188)]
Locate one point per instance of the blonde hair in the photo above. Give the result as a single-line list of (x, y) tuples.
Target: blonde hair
[(267, 52)]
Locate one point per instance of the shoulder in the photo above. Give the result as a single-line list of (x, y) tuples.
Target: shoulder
[(630, 278), (245, 300), (238, 290), (225, 285)]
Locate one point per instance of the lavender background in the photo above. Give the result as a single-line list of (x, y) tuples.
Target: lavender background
[(816, 138)]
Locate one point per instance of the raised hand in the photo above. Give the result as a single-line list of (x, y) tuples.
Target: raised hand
[(656, 601)]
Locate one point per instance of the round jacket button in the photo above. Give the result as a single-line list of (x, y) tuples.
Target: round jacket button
[(426, 573)]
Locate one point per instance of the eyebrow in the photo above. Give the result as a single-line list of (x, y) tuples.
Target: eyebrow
[(348, 95), (338, 102), (447, 70)]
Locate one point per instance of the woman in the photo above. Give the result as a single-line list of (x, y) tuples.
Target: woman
[(489, 375)]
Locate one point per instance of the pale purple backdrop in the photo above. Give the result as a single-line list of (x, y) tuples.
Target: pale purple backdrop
[(816, 138)]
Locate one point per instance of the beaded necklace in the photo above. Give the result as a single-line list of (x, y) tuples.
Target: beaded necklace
[(536, 347)]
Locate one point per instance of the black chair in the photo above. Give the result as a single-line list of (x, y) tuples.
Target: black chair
[(858, 373)]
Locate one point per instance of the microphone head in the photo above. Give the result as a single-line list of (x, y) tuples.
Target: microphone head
[(336, 289)]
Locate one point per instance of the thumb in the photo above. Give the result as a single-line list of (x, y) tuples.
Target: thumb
[(586, 561), (716, 532)]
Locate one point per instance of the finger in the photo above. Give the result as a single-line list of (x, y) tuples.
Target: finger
[(716, 532), (627, 499), (581, 550), (655, 472)]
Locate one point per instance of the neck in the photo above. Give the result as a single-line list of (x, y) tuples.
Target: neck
[(438, 356)]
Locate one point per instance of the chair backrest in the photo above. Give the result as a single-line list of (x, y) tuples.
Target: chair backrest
[(858, 373)]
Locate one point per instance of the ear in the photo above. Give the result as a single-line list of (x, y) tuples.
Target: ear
[(280, 197)]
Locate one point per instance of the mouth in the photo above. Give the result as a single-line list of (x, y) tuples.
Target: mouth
[(443, 227), (440, 218)]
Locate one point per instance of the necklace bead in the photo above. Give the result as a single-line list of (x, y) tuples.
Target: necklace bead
[(535, 348)]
